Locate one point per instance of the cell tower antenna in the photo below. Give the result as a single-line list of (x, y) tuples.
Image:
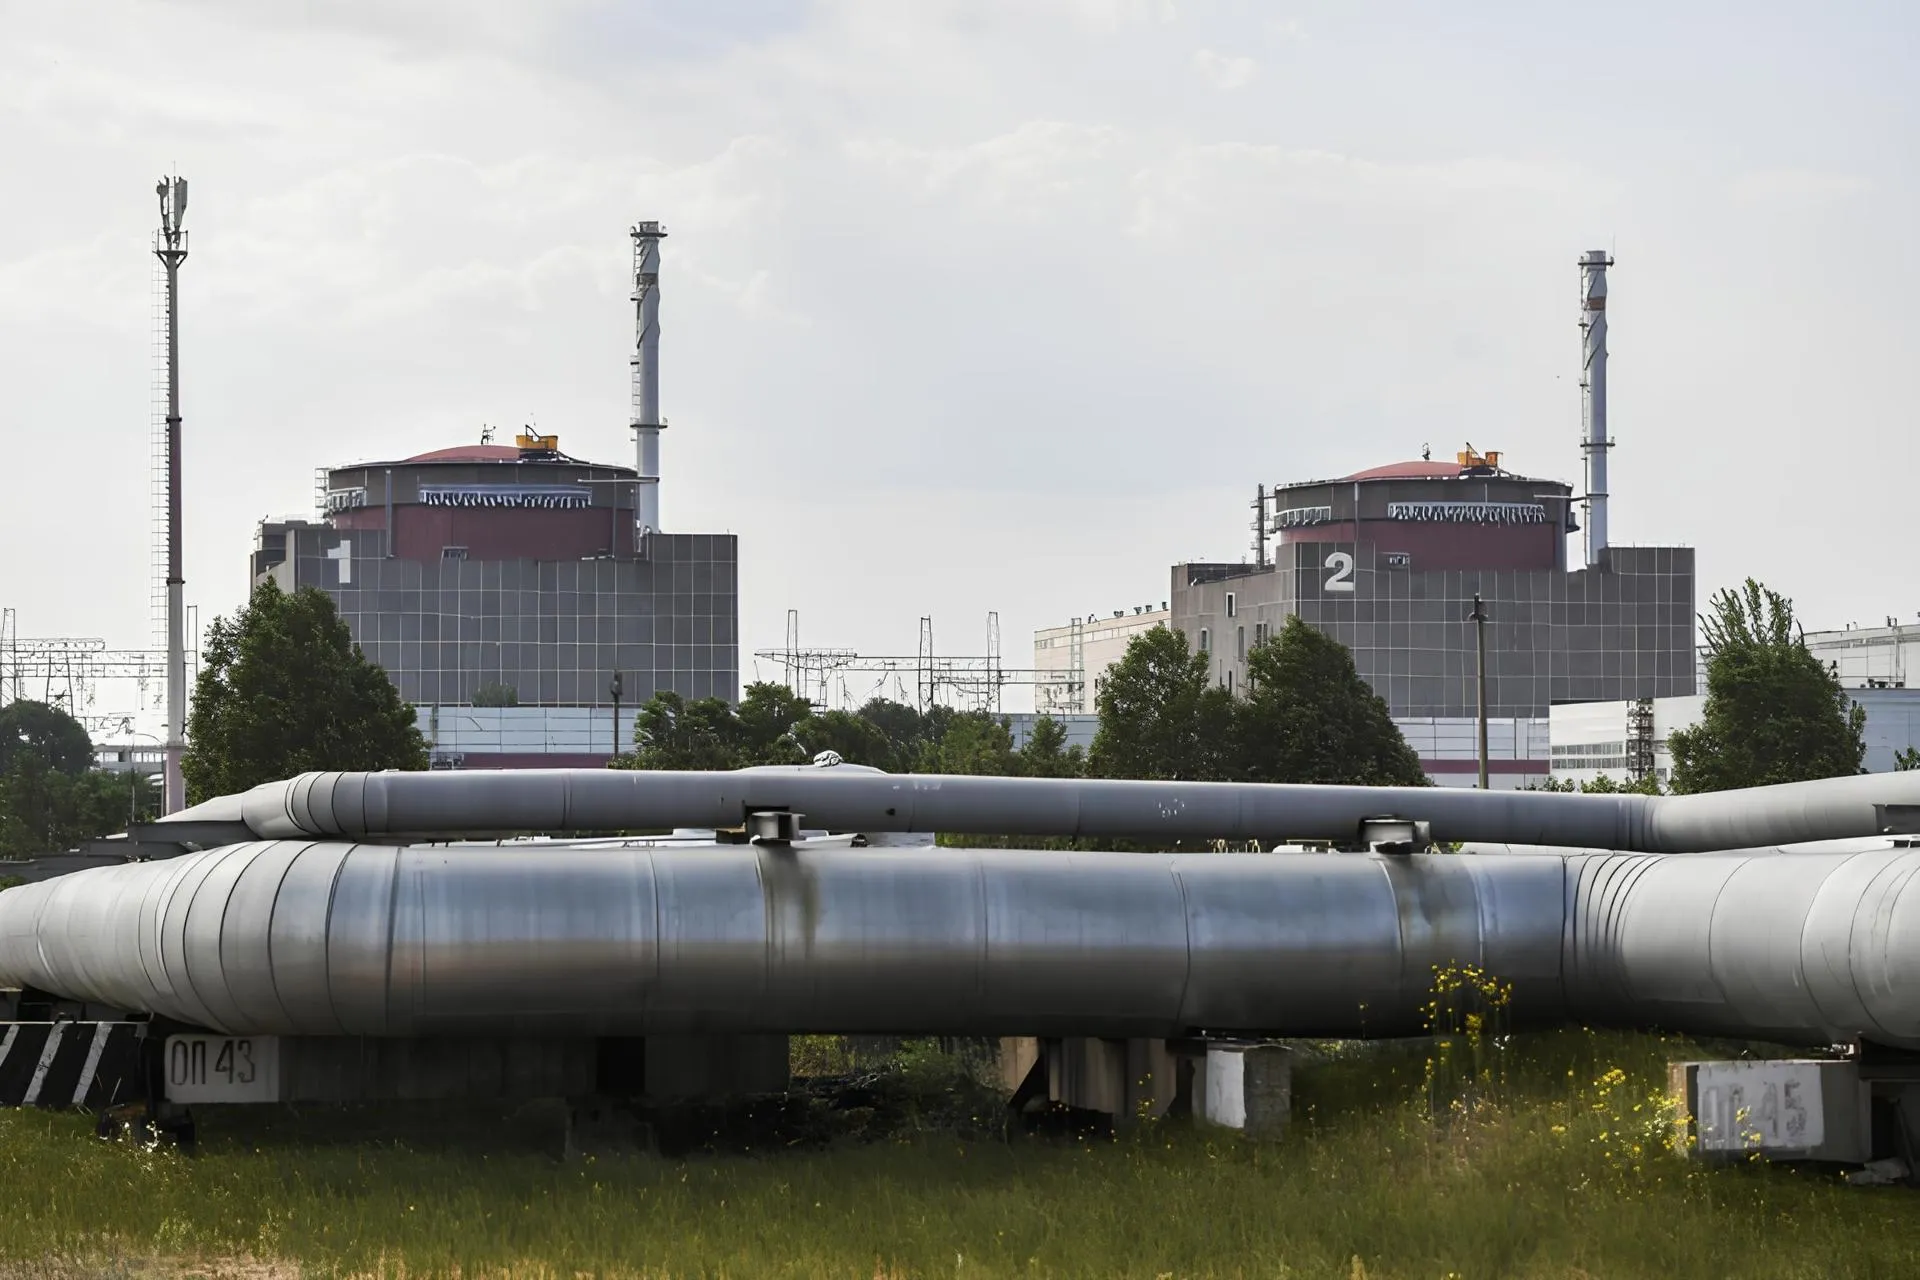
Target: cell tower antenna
[(1594, 441), (646, 421), (170, 247)]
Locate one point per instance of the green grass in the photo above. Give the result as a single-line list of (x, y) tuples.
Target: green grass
[(1541, 1159)]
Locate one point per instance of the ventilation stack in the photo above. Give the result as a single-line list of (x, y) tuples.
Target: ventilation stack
[(1594, 442), (646, 375)]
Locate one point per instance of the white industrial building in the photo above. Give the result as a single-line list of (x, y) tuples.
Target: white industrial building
[(1589, 739), (1870, 657), (1071, 659), (1448, 748)]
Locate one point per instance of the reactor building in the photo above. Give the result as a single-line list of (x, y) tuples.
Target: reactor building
[(1389, 561), (518, 575)]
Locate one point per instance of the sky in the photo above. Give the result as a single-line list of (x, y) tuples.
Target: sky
[(967, 305)]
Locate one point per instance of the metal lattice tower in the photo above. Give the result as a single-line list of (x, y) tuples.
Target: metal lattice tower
[(158, 436), (926, 690), (1077, 667), (994, 666), (9, 655), (65, 671), (969, 682), (1640, 739), (170, 249)]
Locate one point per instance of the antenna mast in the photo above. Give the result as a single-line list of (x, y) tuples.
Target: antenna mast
[(646, 422), (170, 247)]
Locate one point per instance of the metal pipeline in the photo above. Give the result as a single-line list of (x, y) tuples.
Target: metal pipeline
[(484, 802), (321, 938)]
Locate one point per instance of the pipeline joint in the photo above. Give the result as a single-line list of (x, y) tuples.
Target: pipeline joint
[(1395, 835)]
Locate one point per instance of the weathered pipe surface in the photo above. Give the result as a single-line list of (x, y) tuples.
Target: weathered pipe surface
[(484, 802), (332, 938)]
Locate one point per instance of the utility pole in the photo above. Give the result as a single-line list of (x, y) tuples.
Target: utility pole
[(170, 246), (133, 778), (614, 689), (1479, 619)]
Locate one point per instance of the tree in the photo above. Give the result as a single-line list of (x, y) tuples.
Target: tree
[(1309, 717), (1774, 712), (767, 721), (51, 798), (1607, 785), (672, 733), (1906, 758), (1046, 755), (58, 740), (975, 742), (1160, 714), (911, 735), (1604, 784), (496, 694), (848, 734), (286, 691)]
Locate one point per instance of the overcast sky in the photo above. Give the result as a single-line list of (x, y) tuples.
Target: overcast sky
[(968, 305)]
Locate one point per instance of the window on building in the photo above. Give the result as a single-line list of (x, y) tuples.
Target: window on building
[(1229, 682), (1240, 643), (1230, 604), (1204, 646)]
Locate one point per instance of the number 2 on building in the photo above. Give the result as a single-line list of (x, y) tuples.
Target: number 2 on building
[(1342, 565)]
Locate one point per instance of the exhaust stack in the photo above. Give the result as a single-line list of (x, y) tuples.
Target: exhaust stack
[(646, 376), (1594, 442)]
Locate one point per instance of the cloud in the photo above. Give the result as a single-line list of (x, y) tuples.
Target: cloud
[(1225, 73), (1798, 186), (945, 270)]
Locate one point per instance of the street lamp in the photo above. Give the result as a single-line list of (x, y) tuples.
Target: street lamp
[(133, 769), (614, 689), (1479, 620)]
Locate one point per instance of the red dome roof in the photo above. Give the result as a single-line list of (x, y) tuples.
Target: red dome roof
[(1416, 470), (469, 453)]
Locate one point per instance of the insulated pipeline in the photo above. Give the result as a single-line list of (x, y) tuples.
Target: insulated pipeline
[(361, 805), (325, 938)]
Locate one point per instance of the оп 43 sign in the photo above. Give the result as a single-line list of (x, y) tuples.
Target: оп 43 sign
[(222, 1068)]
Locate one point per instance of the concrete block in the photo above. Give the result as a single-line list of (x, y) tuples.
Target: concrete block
[(1088, 1073), (1781, 1108), (1016, 1058), (1246, 1087)]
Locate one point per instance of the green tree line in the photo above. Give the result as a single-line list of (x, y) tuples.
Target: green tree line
[(1773, 713), (1307, 716), (284, 689), (52, 797)]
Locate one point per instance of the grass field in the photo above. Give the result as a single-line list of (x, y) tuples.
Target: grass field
[(1539, 1159)]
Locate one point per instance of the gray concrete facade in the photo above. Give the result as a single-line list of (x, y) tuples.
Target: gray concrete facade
[(553, 630), (1624, 630)]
